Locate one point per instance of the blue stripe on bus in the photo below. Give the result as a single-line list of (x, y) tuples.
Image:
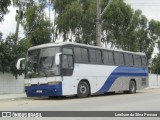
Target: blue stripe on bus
[(122, 72), (47, 90)]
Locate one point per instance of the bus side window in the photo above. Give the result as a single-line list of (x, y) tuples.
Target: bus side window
[(92, 55), (77, 54), (128, 59), (67, 51), (119, 59), (144, 63), (137, 60), (84, 55), (108, 58), (99, 56), (105, 57), (67, 62)]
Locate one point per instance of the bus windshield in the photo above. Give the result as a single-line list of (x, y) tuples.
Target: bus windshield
[(41, 63)]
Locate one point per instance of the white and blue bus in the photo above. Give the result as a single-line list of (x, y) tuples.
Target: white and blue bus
[(66, 69)]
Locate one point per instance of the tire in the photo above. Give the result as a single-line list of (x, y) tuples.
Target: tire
[(82, 90), (132, 87)]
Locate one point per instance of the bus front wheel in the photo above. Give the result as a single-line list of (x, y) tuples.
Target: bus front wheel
[(132, 87), (82, 90)]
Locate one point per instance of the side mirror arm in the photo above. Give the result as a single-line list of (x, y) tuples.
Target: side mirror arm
[(57, 59), (19, 62)]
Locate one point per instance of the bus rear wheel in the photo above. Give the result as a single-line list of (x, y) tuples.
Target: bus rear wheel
[(82, 90), (132, 87)]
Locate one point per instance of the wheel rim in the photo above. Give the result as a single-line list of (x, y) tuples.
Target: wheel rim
[(133, 87), (82, 89)]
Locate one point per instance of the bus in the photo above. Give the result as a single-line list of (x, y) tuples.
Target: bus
[(66, 69)]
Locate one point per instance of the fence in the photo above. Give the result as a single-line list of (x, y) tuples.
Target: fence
[(9, 84), (154, 80)]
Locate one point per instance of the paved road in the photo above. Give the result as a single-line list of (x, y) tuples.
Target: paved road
[(144, 100)]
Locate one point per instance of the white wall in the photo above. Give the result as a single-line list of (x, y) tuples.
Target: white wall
[(9, 84), (154, 80)]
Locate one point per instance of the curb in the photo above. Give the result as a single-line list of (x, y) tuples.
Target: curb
[(153, 87), (12, 97)]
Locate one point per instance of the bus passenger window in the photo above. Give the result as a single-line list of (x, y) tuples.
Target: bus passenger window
[(92, 55), (67, 62), (137, 60), (77, 54), (144, 63)]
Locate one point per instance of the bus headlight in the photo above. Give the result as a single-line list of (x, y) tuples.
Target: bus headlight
[(27, 84), (53, 83)]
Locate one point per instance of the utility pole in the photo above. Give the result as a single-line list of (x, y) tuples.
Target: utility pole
[(20, 15), (18, 20), (98, 24), (50, 20), (99, 20)]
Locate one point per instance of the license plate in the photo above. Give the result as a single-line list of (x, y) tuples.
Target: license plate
[(39, 91)]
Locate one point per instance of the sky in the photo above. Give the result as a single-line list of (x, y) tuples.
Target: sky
[(8, 26), (150, 8)]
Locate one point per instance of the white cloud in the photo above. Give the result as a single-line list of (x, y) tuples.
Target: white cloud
[(9, 24), (150, 8)]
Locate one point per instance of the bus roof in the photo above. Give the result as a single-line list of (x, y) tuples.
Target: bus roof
[(79, 44)]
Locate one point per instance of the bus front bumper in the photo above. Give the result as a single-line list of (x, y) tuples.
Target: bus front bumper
[(44, 90)]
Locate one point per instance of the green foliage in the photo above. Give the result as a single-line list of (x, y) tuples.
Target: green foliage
[(1, 36), (121, 26), (154, 32), (36, 25), (10, 51), (155, 67), (3, 8), (76, 18)]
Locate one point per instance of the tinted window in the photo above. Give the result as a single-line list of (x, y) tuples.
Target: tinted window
[(128, 59), (67, 51), (108, 58), (77, 54), (99, 56), (144, 61), (137, 60), (84, 55), (92, 55), (67, 62), (119, 60), (111, 60)]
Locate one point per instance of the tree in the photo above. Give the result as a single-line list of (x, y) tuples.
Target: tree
[(36, 24), (4, 8), (10, 52), (123, 27), (76, 20), (154, 32), (155, 66), (1, 36), (117, 24)]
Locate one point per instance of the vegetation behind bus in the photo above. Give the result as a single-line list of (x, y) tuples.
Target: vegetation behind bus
[(125, 28)]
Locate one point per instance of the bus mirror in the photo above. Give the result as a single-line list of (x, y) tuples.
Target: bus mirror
[(57, 59), (19, 62)]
